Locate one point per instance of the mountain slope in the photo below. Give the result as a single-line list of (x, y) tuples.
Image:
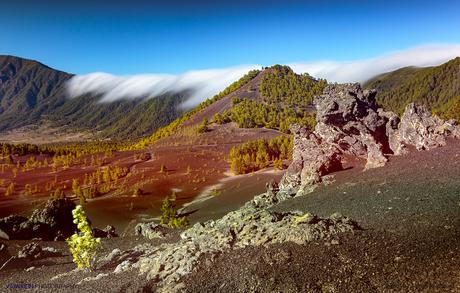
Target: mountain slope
[(272, 98), (436, 87), (28, 89), (32, 93)]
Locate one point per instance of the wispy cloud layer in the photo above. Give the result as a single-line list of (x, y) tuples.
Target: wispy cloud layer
[(204, 84), (362, 70)]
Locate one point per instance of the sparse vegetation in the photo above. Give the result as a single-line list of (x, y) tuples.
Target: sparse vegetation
[(203, 127), (10, 189), (169, 215)]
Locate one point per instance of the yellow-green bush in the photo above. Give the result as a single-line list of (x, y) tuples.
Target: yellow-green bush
[(170, 217), (83, 245)]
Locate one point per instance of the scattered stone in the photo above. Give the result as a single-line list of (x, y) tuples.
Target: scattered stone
[(150, 230), (107, 232), (116, 257), (34, 251), (89, 279)]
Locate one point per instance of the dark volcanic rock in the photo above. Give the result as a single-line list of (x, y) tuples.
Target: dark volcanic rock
[(347, 118), (52, 222), (4, 254), (349, 123), (9, 225), (312, 159), (107, 232), (421, 129)]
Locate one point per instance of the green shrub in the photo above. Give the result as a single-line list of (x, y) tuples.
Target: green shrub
[(169, 216), (203, 126), (83, 246)]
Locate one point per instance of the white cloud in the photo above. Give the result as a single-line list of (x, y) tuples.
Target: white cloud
[(206, 83), (203, 84), (362, 70)]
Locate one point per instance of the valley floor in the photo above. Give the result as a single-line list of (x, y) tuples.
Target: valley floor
[(409, 211)]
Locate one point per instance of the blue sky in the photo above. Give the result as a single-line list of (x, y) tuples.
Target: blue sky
[(146, 36)]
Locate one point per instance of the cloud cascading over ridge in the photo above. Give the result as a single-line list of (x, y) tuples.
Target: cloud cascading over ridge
[(204, 84), (363, 70)]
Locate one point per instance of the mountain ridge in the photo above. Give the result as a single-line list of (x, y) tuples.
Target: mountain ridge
[(32, 93)]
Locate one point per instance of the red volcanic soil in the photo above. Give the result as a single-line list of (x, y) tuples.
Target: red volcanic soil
[(193, 162), (248, 91)]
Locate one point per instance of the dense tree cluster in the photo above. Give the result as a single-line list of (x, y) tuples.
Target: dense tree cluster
[(281, 85), (258, 154), (438, 88), (250, 114), (286, 98)]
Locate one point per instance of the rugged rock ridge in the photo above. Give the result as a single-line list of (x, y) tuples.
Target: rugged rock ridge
[(254, 224), (350, 123)]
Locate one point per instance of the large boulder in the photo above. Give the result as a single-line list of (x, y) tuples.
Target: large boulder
[(347, 118), (418, 127), (312, 159), (150, 230), (53, 221), (107, 232)]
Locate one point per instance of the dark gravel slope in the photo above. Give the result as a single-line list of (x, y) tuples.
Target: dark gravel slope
[(410, 212)]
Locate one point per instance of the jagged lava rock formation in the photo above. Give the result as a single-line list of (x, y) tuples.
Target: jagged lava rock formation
[(350, 123)]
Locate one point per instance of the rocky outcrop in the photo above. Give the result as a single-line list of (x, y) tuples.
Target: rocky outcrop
[(52, 222), (251, 225), (350, 124), (347, 118), (312, 159), (34, 251), (423, 130)]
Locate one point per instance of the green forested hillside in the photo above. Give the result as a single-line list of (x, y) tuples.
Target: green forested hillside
[(127, 119), (28, 90), (285, 98), (436, 87), (32, 93)]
